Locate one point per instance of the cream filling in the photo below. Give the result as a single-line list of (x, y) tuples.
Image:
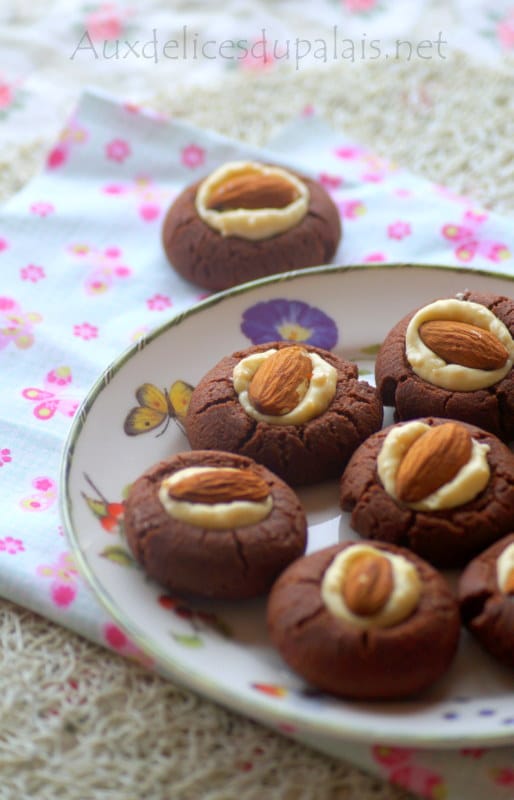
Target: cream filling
[(469, 481), (215, 516), (429, 366), (254, 224), (401, 602), (319, 395), (504, 566)]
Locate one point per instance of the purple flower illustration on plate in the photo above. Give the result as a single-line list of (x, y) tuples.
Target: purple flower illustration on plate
[(289, 320)]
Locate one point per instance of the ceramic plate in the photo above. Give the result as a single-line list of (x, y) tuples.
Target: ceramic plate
[(221, 650)]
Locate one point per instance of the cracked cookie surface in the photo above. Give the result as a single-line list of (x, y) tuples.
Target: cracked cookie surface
[(487, 612), (300, 454), (205, 257), (445, 538), (232, 563), (399, 386), (345, 660)]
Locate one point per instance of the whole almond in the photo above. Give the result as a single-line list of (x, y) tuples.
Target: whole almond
[(281, 381), (220, 485), (464, 344), (252, 190), (432, 460), (368, 584)]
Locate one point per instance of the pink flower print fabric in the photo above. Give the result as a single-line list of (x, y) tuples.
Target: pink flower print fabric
[(375, 258), (144, 193), (330, 182), (72, 136), (117, 150), (505, 31), (12, 96), (351, 209), (104, 22), (11, 546), (192, 156), (372, 169), (43, 496), (16, 325), (6, 94), (85, 331), (63, 577), (403, 770), (32, 273), (159, 302), (54, 397), (5, 456), (42, 208), (360, 6), (469, 237), (399, 230), (104, 267), (118, 641)]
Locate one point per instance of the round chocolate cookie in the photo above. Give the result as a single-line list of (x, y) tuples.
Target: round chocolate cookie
[(360, 620), (486, 598), (213, 524), (300, 411), (249, 226), (453, 358), (443, 489)]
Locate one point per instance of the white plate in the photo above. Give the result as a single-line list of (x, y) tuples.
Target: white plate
[(221, 650)]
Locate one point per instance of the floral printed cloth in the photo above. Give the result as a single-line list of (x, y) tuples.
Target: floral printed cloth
[(52, 48), (84, 276)]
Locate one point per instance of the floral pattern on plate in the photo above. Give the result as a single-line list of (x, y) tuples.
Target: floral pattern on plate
[(289, 320)]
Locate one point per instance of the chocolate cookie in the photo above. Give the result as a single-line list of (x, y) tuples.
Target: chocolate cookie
[(248, 220), (360, 620), (486, 598), (213, 524), (453, 358), (443, 489), (300, 411)]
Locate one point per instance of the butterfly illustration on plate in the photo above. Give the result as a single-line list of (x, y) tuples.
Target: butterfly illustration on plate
[(156, 407)]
